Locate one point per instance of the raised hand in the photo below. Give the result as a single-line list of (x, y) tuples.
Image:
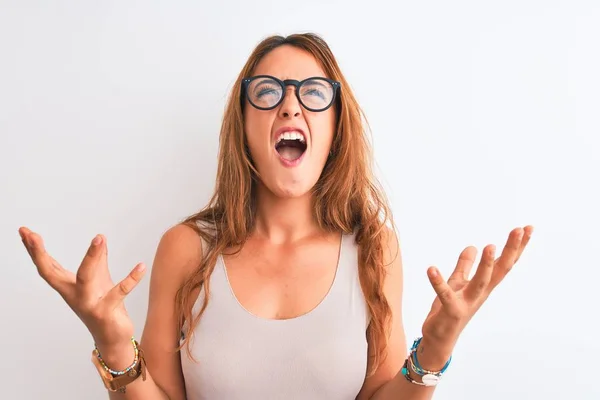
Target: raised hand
[(90, 292), (460, 298)]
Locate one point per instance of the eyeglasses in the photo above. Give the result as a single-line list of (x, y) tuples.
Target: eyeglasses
[(266, 92)]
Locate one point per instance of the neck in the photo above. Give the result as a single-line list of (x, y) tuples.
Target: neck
[(284, 219)]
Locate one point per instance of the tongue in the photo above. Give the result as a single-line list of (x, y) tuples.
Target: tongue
[(290, 153)]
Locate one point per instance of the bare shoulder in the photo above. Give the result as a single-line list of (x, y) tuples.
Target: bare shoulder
[(391, 250), (178, 254), (393, 289), (392, 259)]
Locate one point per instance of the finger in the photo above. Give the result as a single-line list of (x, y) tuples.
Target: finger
[(508, 257), (527, 232), (87, 270), (444, 292), (102, 266), (103, 250), (460, 276), (116, 295), (49, 269), (481, 280)]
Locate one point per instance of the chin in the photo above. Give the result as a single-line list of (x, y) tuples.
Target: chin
[(291, 190)]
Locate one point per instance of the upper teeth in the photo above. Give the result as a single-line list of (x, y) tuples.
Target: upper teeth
[(291, 135)]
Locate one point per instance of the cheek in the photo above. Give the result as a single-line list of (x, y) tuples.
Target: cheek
[(257, 128), (322, 131)]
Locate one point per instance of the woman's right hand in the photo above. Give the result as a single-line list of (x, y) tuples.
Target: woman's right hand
[(90, 292)]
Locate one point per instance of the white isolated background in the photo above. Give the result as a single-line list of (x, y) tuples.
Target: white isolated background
[(484, 117)]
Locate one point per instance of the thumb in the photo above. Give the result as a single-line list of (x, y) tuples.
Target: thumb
[(442, 288), (117, 294)]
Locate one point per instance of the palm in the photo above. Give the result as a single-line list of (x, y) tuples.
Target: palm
[(90, 292), (460, 298)]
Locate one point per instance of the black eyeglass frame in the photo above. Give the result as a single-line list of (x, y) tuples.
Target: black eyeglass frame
[(293, 82)]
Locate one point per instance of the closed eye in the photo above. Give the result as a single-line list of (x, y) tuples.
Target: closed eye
[(314, 92)]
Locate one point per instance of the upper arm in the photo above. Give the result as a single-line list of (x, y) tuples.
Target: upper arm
[(177, 255), (396, 351)]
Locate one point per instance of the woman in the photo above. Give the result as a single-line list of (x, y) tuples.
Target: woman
[(288, 285)]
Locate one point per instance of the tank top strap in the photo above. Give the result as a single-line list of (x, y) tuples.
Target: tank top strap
[(347, 294)]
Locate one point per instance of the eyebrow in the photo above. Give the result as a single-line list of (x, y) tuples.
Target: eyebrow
[(312, 80), (263, 80), (317, 82)]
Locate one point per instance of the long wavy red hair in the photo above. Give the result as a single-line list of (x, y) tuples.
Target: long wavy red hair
[(347, 197)]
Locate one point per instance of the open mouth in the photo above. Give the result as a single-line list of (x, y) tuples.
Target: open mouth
[(290, 145)]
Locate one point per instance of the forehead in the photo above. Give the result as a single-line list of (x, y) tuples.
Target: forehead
[(288, 62)]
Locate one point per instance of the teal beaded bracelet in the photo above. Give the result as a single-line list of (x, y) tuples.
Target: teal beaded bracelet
[(417, 367), (429, 378)]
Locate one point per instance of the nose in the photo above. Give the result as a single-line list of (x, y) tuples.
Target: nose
[(290, 106)]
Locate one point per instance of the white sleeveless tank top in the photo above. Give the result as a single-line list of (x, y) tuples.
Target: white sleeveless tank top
[(321, 355)]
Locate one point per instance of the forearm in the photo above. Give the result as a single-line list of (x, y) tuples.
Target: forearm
[(431, 357), (139, 389)]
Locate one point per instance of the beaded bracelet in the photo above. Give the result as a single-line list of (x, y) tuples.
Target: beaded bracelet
[(416, 367), (126, 370), (429, 378), (407, 376)]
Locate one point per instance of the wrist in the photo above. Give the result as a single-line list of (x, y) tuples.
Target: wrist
[(118, 356), (434, 354)]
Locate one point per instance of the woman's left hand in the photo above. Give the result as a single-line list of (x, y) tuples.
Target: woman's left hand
[(460, 298)]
